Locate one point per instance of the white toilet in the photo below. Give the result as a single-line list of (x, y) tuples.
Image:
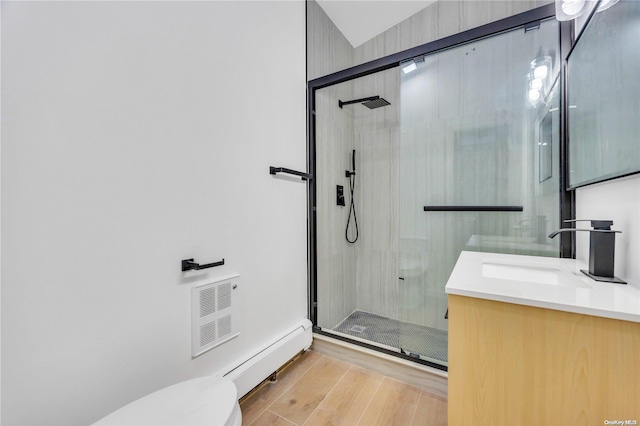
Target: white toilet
[(202, 401)]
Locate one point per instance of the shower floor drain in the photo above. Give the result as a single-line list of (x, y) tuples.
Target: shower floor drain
[(357, 329)]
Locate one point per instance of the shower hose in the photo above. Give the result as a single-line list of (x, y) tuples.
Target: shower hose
[(352, 209)]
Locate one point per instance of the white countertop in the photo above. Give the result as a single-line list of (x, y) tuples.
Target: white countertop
[(580, 294)]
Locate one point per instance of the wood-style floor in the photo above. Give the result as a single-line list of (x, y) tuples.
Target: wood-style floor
[(319, 390)]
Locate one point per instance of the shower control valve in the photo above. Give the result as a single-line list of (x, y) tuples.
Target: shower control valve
[(340, 195)]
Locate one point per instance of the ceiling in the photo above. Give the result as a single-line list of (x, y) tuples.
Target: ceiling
[(361, 20)]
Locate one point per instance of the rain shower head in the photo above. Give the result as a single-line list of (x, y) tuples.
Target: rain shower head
[(376, 103), (370, 102)]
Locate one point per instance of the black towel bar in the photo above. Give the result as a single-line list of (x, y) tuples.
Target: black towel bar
[(189, 264), (473, 208), (304, 176)]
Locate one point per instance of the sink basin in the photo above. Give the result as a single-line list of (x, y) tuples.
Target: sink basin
[(531, 273)]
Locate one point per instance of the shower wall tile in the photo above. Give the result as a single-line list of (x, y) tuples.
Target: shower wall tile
[(328, 50), (366, 275), (336, 288), (377, 282), (363, 275), (336, 258), (377, 189), (439, 20), (434, 135), (377, 136)]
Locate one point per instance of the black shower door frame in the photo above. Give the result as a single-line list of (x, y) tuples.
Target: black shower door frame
[(567, 203)]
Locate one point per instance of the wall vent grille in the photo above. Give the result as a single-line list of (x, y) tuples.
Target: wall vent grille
[(214, 313), (207, 333), (224, 296), (208, 301), (224, 326)]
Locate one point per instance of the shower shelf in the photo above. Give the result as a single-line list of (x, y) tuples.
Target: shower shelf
[(304, 176), (473, 208)]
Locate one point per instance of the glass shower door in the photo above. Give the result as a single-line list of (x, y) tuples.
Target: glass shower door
[(478, 168)]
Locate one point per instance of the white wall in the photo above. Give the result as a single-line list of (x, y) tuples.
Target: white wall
[(618, 200), (134, 135)]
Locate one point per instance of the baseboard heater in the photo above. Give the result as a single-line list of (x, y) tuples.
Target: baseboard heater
[(265, 361)]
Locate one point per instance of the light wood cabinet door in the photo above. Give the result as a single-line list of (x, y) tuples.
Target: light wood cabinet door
[(519, 365)]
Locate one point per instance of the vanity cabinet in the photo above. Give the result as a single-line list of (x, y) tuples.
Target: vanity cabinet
[(511, 364)]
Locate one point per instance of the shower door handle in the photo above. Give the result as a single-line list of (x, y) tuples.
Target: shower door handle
[(473, 208)]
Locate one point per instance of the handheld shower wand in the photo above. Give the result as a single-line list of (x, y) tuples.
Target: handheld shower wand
[(352, 209), (353, 161)]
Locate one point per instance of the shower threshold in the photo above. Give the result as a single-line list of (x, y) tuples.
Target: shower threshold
[(427, 343)]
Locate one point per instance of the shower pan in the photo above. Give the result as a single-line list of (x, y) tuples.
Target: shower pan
[(454, 161)]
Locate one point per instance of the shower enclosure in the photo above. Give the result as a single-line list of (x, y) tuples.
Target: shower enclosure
[(463, 154)]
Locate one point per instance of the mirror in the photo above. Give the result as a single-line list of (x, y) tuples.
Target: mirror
[(604, 97)]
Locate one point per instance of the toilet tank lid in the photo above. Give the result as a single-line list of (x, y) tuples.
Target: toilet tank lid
[(202, 401)]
